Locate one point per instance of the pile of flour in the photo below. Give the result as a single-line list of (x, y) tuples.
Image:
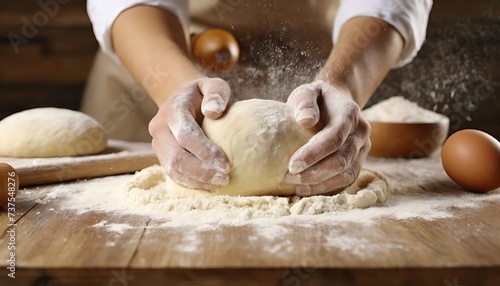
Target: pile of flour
[(398, 109), (151, 190)]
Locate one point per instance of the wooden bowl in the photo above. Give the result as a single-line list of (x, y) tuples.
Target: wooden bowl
[(407, 140)]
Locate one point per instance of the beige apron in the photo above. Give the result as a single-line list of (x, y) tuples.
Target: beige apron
[(114, 98)]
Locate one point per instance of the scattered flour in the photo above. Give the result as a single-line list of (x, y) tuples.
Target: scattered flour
[(344, 243), (118, 228), (398, 109), (190, 242)]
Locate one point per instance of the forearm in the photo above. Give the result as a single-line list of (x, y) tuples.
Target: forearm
[(366, 50), (150, 43)]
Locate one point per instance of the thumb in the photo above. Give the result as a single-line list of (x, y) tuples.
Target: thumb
[(304, 102), (216, 93)]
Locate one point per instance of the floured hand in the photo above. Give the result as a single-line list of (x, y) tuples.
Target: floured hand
[(188, 156), (332, 159)]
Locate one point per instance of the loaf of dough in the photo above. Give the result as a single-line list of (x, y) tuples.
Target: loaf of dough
[(50, 132), (259, 137)]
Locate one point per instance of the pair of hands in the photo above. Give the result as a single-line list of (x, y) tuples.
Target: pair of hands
[(331, 160)]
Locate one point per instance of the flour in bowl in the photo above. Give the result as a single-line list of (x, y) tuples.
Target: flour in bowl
[(398, 109)]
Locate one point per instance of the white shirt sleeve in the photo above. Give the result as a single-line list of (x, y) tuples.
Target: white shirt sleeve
[(408, 17), (103, 13)]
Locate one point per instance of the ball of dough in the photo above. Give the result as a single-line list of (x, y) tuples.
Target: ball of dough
[(50, 132), (259, 137)]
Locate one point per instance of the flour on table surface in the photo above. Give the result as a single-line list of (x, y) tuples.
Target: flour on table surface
[(349, 231), (118, 228), (408, 200)]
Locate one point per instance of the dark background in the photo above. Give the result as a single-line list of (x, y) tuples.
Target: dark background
[(457, 72)]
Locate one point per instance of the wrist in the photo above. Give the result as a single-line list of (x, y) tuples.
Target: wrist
[(173, 84), (341, 86)]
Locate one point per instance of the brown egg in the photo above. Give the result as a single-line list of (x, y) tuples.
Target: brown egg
[(472, 159), (9, 184), (216, 49)]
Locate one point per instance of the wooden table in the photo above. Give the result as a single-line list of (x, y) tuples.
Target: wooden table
[(60, 247)]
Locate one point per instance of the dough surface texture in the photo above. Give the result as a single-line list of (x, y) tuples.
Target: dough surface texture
[(259, 137), (50, 132)]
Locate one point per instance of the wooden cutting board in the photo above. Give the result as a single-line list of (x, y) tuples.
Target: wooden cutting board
[(120, 157)]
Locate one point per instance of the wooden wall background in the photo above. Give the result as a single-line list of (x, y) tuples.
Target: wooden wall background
[(51, 69), (460, 60)]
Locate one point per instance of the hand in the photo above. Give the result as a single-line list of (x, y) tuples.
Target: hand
[(332, 159), (187, 155)]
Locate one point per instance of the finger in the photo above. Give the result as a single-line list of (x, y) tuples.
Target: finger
[(303, 100), (178, 159), (335, 183), (183, 166), (216, 93), (337, 162), (191, 137), (330, 166), (327, 141)]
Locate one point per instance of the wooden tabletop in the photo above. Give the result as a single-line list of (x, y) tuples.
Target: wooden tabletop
[(62, 247)]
